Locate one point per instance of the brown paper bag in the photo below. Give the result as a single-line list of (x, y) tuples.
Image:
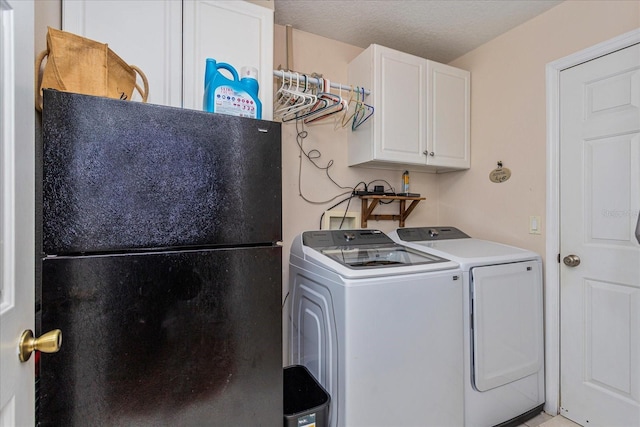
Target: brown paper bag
[(80, 65)]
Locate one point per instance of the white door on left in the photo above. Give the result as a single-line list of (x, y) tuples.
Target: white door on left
[(17, 158)]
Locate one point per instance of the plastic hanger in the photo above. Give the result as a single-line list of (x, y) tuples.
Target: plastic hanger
[(306, 100), (334, 104), (320, 103), (289, 93), (299, 100)]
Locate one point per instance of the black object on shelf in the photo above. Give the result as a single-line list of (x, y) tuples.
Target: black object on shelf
[(306, 402)]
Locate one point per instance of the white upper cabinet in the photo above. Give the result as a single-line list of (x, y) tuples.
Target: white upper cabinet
[(143, 33), (421, 119), (234, 32), (398, 88), (171, 40), (448, 117)]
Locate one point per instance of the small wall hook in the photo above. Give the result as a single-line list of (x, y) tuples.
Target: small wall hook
[(499, 174)]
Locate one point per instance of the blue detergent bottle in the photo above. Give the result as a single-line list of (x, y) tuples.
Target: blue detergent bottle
[(237, 97)]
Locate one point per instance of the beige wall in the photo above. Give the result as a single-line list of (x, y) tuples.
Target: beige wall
[(48, 13), (508, 118)]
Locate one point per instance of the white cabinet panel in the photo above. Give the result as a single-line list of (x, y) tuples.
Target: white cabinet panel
[(236, 32), (422, 113), (448, 123), (143, 33), (170, 41), (400, 89)]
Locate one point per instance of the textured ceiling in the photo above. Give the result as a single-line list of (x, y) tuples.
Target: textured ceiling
[(440, 30)]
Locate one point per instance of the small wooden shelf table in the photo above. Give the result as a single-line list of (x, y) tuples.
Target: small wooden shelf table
[(367, 209)]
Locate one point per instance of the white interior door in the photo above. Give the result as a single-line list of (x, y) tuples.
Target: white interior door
[(16, 209), (600, 203)]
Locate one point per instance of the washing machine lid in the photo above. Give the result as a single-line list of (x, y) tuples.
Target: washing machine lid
[(451, 243), (368, 249)]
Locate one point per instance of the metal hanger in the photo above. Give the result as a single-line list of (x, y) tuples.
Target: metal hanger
[(363, 111)]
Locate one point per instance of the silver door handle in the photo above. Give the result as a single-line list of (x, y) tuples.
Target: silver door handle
[(571, 260), (638, 228)]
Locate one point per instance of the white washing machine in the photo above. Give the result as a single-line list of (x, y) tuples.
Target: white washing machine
[(380, 327), (503, 323)]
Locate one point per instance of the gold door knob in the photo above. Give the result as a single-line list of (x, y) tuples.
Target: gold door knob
[(47, 343)]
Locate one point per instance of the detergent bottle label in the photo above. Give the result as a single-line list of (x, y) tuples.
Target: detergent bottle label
[(235, 102)]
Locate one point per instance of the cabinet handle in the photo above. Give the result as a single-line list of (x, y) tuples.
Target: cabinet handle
[(427, 153)]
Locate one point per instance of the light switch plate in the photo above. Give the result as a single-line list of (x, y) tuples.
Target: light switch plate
[(535, 226)]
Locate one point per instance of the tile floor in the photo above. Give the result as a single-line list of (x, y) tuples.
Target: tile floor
[(546, 420), (559, 421)]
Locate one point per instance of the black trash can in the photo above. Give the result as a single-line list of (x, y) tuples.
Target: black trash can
[(306, 402)]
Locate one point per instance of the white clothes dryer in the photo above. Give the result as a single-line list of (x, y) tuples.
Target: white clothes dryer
[(503, 323), (379, 325)]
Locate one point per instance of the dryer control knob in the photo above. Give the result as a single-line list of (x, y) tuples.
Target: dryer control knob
[(349, 236), (433, 232)]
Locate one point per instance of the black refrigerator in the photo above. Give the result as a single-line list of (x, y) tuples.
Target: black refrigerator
[(161, 264)]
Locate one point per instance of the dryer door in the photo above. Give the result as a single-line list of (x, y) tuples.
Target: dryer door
[(507, 323)]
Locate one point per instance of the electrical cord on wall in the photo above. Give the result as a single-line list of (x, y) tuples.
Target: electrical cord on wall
[(312, 156), (346, 199), (345, 213)]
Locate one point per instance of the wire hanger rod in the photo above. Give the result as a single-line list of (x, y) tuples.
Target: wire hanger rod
[(313, 80)]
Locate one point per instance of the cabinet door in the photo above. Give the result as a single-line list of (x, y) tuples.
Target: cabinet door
[(400, 87), (448, 116), (142, 33), (236, 32)]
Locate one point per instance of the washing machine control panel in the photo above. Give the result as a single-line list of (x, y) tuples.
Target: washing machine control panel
[(420, 234), (326, 238)]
